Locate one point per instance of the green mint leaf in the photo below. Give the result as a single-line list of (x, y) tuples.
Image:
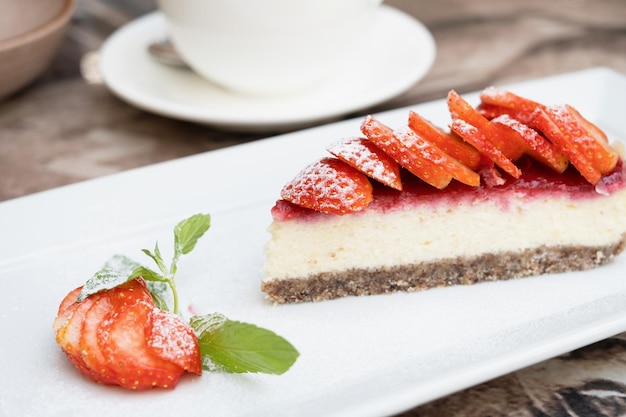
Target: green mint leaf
[(188, 231), (157, 258), (148, 274), (116, 271), (237, 347)]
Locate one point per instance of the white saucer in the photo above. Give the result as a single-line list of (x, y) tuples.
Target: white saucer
[(402, 52)]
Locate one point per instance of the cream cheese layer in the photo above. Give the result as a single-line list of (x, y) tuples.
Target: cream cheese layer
[(430, 232)]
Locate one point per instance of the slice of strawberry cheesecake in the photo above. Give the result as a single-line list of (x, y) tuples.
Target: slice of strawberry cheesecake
[(514, 189)]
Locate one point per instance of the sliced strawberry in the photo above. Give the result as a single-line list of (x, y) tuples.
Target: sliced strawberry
[(329, 186), (605, 156), (476, 138), (68, 332), (363, 155), (122, 339), (594, 141), (490, 111), (496, 100), (124, 330), (430, 152), (129, 294), (92, 355), (588, 155), (410, 154), (69, 299), (66, 308), (591, 129), (539, 147), (509, 145), (119, 337), (585, 135), (447, 142), (68, 335), (170, 338)]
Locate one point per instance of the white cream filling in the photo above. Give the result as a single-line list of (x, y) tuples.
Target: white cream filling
[(427, 233)]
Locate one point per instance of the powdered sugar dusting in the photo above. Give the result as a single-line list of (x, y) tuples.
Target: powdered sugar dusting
[(323, 178), (410, 150), (491, 92), (472, 135), (171, 338), (529, 134), (463, 128), (521, 128), (329, 185), (363, 155), (563, 117), (426, 150)]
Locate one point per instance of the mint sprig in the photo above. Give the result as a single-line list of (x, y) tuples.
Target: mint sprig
[(226, 345), (121, 269), (186, 235)]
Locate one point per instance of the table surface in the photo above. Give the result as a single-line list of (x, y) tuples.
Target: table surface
[(67, 127)]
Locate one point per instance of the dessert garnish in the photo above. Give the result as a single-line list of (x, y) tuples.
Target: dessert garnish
[(123, 326)]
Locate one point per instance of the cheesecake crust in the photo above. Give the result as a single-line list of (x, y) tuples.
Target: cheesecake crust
[(441, 273)]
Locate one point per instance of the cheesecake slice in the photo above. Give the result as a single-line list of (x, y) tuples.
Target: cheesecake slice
[(514, 189)]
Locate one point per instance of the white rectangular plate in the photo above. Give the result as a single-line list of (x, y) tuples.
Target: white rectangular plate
[(359, 356)]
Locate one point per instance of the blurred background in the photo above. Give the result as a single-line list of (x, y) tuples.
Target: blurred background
[(64, 128)]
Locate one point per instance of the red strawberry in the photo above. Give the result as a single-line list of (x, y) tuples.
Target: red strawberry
[(591, 157), (539, 147), (598, 150), (591, 129), (509, 145), (64, 312), (410, 154), (123, 342), (104, 305), (578, 139), (91, 353), (116, 337), (439, 158), (447, 142), (477, 139), (170, 338), (68, 334), (329, 186), (69, 299), (129, 293), (495, 102), (490, 111), (363, 155)]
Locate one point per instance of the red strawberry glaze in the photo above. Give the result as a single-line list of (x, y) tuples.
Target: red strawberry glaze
[(536, 181)]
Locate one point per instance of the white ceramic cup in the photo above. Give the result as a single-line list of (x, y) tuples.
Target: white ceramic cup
[(268, 47)]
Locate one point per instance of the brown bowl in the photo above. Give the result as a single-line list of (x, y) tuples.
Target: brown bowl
[(31, 32)]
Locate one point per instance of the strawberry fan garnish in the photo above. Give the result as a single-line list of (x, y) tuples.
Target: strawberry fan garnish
[(119, 328)]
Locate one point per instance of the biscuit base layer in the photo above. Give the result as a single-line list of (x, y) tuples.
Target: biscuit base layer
[(441, 273)]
